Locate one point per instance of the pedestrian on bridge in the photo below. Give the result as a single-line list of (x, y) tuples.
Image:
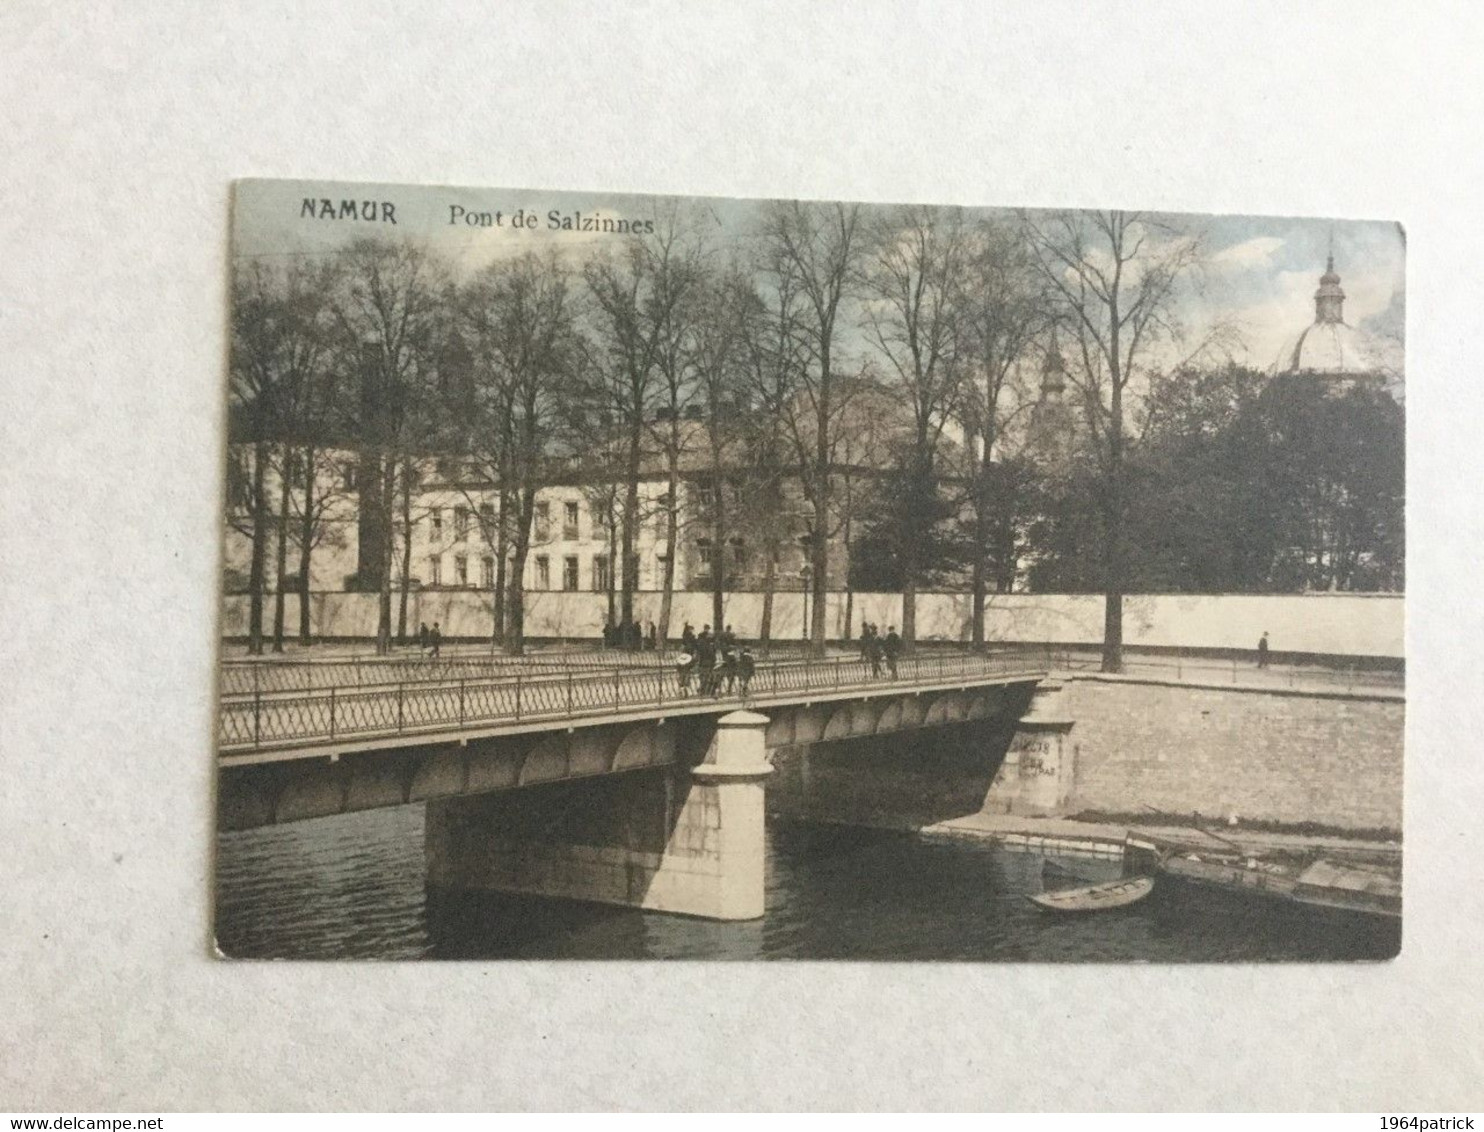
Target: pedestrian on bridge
[(435, 639), (892, 646), (1262, 650), (685, 664), (422, 637), (727, 671), (746, 665), (688, 638), (871, 648), (706, 659)]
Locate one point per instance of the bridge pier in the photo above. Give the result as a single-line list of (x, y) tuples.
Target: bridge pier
[(1036, 777), (686, 839)]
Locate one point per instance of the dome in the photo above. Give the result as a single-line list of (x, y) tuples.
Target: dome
[(1331, 347)]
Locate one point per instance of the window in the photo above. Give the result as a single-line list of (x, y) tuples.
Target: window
[(487, 520), (444, 468), (543, 522), (569, 521), (739, 553), (461, 523), (601, 579), (487, 572), (569, 573), (435, 570), (348, 475), (435, 520), (461, 570), (703, 552), (543, 572)]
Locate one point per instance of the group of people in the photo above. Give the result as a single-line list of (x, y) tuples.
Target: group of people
[(632, 636), (875, 648), (429, 641), (716, 663)]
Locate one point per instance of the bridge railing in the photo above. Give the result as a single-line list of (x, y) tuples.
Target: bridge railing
[(246, 678), (263, 721)]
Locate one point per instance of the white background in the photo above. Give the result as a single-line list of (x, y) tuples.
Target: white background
[(121, 127)]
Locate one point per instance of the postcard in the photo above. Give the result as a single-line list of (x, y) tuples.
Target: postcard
[(633, 577)]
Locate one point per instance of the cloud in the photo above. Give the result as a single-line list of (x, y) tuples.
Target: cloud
[(1256, 252)]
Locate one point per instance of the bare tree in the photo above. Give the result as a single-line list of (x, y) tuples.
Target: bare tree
[(1114, 276), (715, 348), (770, 358), (633, 294), (278, 355), (914, 278), (386, 307), (811, 251), (1005, 306), (521, 318)]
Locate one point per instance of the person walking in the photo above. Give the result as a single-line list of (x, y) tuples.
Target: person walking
[(688, 638), (746, 666), (1262, 650), (435, 639), (873, 653), (422, 637), (706, 660), (728, 670), (892, 646), (685, 664)]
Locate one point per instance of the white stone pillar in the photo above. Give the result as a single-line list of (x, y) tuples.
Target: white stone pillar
[(1042, 754), (734, 772)]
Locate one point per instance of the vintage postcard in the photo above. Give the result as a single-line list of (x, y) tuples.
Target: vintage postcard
[(638, 577)]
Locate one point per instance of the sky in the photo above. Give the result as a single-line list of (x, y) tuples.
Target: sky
[(1259, 272)]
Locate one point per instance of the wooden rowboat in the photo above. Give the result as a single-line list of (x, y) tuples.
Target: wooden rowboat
[(1096, 897)]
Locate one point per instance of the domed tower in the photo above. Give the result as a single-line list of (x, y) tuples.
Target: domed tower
[(1330, 349)]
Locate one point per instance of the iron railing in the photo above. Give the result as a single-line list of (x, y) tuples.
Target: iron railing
[(1242, 673), (265, 720)]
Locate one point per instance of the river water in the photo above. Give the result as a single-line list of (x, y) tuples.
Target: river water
[(354, 887)]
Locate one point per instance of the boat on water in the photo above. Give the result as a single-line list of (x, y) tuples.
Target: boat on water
[(1096, 897), (1298, 877)]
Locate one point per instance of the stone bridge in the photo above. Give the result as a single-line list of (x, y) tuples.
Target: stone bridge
[(652, 798)]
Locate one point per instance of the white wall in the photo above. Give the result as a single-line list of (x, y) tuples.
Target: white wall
[(1339, 624)]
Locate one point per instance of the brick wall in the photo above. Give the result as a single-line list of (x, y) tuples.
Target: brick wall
[(1261, 755)]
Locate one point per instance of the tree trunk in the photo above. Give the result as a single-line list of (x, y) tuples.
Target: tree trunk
[(281, 551), (630, 525), (612, 564), (979, 580), (770, 585), (406, 581), (1113, 565), (497, 633), (515, 600), (259, 549), (718, 548), (306, 543), (671, 539), (909, 612), (387, 472)]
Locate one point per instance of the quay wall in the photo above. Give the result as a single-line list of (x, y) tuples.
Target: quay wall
[(1349, 625), (1261, 755)]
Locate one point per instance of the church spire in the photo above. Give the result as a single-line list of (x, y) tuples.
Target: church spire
[(1329, 300), (1053, 372)]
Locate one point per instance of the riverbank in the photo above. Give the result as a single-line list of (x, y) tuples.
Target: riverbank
[(1074, 837)]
